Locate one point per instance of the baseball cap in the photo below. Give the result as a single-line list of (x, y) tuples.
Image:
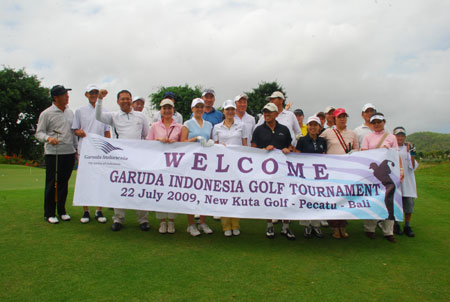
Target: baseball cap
[(399, 130), (59, 90), (367, 106), (298, 112), (277, 94), (240, 96), (270, 107), (91, 87), (228, 104), (206, 91), (313, 119), (339, 111), (377, 116), (166, 102), (197, 101), (328, 109), (169, 94), (137, 98)]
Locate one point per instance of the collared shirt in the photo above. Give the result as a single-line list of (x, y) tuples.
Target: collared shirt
[(288, 119), (307, 145), (159, 130), (214, 116), (177, 117), (280, 137), (248, 123), (132, 125), (361, 132), (54, 119), (196, 130), (85, 119), (372, 140), (333, 144), (229, 136), (409, 188)]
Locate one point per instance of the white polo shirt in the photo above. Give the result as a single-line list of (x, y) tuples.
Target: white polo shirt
[(85, 119), (229, 136), (361, 132), (409, 188), (132, 125), (248, 123), (288, 119)]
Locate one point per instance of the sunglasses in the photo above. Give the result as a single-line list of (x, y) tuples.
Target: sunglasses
[(376, 122)]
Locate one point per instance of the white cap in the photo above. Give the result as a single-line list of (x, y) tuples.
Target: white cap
[(271, 107), (367, 106), (277, 94), (328, 109), (197, 101), (240, 96), (228, 104), (313, 119), (377, 116), (137, 98), (91, 87), (166, 102), (206, 91)]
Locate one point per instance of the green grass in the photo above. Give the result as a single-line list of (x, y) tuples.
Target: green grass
[(75, 262)]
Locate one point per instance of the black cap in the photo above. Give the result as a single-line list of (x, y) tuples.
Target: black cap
[(59, 90), (298, 112)]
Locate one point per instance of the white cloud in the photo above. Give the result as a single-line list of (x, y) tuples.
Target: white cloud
[(343, 53)]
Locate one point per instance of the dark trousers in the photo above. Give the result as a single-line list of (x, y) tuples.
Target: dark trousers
[(65, 167)]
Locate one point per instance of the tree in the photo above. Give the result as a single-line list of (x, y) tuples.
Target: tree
[(22, 99), (183, 98), (258, 97)]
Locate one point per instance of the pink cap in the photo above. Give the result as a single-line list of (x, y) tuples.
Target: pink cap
[(339, 111)]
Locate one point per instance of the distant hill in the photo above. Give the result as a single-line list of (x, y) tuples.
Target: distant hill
[(430, 141)]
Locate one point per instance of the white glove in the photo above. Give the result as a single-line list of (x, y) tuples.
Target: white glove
[(297, 137), (209, 143)]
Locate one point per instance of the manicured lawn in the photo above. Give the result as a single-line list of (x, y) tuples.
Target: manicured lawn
[(75, 262)]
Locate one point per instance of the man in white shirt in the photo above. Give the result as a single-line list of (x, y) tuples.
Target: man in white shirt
[(247, 120), (54, 128), (329, 117), (361, 131), (286, 118), (138, 103), (128, 124), (85, 122)]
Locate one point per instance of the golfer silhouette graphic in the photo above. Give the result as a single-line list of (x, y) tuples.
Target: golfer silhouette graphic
[(381, 172)]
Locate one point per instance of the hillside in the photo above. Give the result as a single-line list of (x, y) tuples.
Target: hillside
[(430, 141)]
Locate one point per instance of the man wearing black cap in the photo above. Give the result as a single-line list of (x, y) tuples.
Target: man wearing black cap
[(55, 130)]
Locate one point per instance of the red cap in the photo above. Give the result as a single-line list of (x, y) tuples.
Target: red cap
[(339, 111)]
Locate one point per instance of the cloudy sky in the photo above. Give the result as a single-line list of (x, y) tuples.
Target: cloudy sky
[(395, 54)]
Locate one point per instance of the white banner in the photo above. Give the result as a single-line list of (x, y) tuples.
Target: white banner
[(237, 181)]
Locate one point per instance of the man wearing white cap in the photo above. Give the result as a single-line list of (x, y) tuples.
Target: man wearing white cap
[(367, 111), (127, 124), (286, 118), (329, 117), (85, 122), (138, 103), (242, 116), (211, 114)]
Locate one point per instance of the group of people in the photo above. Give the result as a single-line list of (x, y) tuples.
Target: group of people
[(325, 132)]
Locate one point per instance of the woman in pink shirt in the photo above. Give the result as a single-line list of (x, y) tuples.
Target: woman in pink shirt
[(166, 131), (380, 139)]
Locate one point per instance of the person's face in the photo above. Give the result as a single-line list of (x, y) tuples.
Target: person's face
[(125, 102), (230, 112), (341, 120), (313, 128), (329, 116), (92, 96), (209, 100), (277, 101), (322, 120), (269, 116), (198, 110), (400, 139), (241, 105), (300, 119), (138, 105), (62, 100), (367, 114), (378, 125), (167, 111)]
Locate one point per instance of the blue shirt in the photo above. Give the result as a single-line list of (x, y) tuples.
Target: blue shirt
[(195, 129), (214, 116)]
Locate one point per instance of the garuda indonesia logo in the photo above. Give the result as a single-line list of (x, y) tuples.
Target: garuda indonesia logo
[(103, 145)]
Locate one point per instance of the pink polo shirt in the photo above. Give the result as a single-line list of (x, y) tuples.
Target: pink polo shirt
[(159, 130), (372, 140)]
